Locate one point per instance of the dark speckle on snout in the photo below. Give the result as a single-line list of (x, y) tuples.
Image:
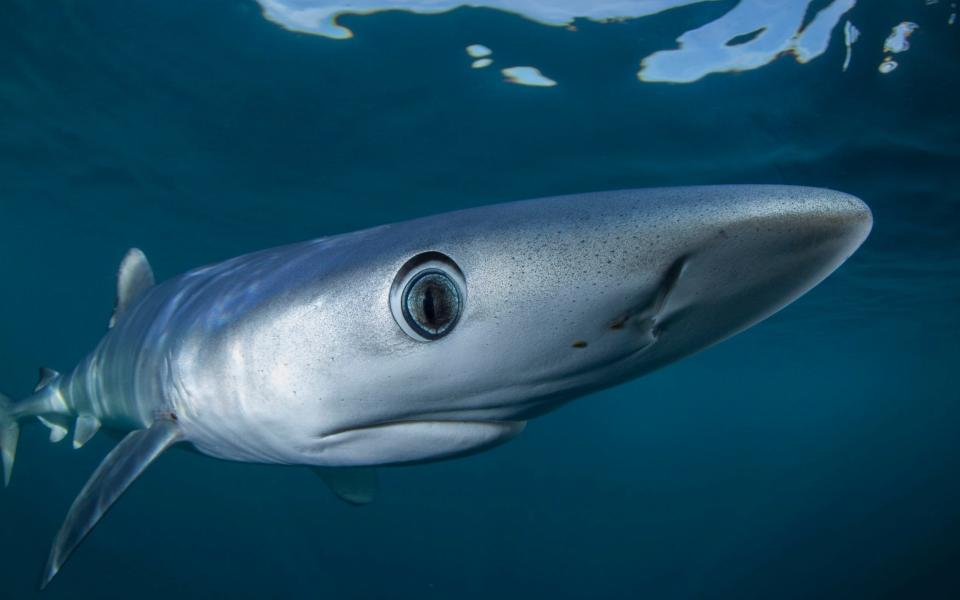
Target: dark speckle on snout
[(579, 344)]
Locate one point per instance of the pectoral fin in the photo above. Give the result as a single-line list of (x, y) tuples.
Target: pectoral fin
[(111, 479), (353, 485)]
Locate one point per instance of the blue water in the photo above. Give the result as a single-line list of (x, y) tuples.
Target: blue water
[(815, 455)]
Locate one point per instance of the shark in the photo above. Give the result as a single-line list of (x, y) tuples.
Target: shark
[(429, 339)]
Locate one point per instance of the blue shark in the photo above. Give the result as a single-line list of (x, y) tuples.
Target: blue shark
[(429, 339)]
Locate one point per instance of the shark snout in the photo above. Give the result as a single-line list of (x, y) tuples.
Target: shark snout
[(828, 225), (808, 235), (769, 246), (851, 213)]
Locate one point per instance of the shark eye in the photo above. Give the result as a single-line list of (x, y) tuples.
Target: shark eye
[(428, 296), (431, 304)]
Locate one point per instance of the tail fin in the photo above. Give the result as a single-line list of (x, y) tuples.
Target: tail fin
[(44, 404), (9, 435)]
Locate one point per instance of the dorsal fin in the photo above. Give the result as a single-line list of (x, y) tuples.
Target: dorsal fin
[(353, 485), (111, 479), (133, 279), (45, 377)]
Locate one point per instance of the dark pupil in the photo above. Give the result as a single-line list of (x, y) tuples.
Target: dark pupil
[(429, 310), (433, 303)]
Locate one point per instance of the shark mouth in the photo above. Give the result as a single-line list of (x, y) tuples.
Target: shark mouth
[(404, 442)]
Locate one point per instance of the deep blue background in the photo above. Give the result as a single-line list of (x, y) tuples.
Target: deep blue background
[(815, 455)]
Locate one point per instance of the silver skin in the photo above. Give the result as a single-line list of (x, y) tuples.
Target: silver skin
[(293, 355)]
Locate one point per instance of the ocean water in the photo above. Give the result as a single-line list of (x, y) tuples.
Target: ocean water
[(815, 455)]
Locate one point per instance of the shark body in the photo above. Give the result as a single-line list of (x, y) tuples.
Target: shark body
[(428, 339)]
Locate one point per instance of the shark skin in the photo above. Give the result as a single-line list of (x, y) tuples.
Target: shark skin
[(428, 339)]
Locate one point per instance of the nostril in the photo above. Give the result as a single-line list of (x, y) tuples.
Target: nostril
[(647, 330), (619, 324)]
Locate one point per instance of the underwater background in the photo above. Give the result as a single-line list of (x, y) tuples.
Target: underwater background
[(815, 455)]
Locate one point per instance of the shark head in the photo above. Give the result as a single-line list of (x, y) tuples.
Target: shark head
[(443, 335)]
